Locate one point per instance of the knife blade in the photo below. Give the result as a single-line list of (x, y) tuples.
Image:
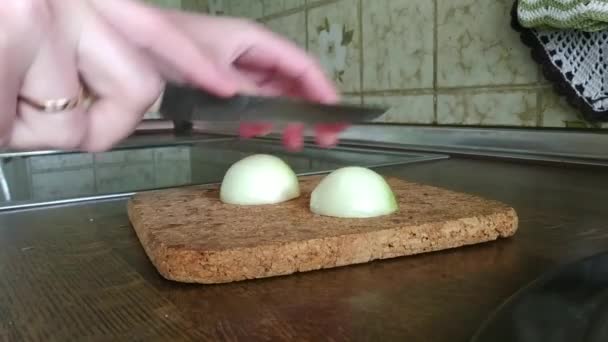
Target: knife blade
[(182, 103)]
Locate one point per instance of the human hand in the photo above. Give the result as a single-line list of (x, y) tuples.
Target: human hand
[(48, 49), (225, 56), (122, 51)]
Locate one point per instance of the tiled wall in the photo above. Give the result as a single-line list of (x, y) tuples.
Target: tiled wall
[(447, 62)]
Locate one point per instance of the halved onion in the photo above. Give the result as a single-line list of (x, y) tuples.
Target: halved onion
[(259, 179), (353, 192)]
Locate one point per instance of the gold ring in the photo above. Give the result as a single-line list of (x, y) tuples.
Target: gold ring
[(56, 105)]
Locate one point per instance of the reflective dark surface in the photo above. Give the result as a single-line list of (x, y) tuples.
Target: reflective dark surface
[(566, 305), (27, 180), (78, 272)]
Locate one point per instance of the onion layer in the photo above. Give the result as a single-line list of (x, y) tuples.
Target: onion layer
[(353, 192), (259, 179)]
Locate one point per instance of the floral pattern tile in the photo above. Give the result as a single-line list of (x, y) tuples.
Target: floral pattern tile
[(476, 45), (333, 33), (213, 7), (407, 109), (196, 5), (165, 3), (556, 112), (272, 7), (518, 108), (292, 27), (397, 44), (217, 7), (252, 9)]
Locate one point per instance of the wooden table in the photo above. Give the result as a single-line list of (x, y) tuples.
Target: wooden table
[(78, 272)]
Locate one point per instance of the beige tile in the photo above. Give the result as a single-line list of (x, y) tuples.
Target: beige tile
[(165, 3), (333, 35), (277, 6), (63, 184), (119, 178), (125, 156), (517, 108), (556, 112), (60, 162), (351, 99), (152, 116), (476, 45), (292, 27), (218, 7), (414, 109), (252, 9), (196, 5), (397, 44)]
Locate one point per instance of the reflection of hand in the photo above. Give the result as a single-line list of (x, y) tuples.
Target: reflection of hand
[(224, 56)]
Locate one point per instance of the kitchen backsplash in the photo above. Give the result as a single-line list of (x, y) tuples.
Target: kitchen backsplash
[(445, 62)]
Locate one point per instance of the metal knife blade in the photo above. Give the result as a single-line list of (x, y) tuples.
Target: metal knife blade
[(188, 104)]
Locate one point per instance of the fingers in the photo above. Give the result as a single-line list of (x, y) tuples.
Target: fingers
[(293, 137), (273, 54), (251, 130), (18, 43), (327, 135), (125, 84), (177, 55), (52, 75), (9, 83)]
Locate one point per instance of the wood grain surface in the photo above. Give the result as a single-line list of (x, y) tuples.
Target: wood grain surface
[(191, 236), (79, 273)]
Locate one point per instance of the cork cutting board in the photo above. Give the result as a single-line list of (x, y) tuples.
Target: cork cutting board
[(190, 236)]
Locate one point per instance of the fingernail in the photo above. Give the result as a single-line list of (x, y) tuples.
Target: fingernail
[(328, 136), (293, 137)]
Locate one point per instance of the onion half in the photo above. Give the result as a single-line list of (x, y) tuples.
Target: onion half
[(259, 179), (353, 192)]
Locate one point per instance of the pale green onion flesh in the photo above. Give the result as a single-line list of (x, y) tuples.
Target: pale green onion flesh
[(259, 179), (353, 192)]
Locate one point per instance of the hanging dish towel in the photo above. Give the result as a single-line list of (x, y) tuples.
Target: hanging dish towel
[(585, 15), (569, 39)]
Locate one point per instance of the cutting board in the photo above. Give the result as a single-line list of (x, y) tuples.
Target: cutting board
[(190, 236)]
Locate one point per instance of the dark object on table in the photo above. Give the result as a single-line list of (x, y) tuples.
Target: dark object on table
[(569, 305)]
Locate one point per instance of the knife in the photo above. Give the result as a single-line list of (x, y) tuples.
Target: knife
[(187, 104)]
